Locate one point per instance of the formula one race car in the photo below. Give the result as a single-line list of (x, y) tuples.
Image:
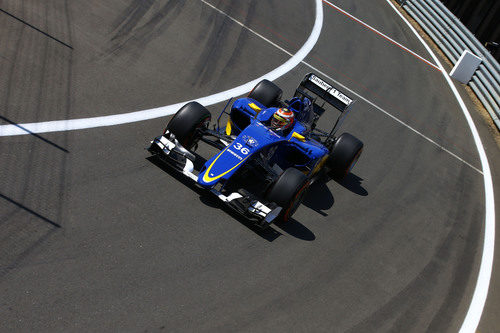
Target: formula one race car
[(270, 150)]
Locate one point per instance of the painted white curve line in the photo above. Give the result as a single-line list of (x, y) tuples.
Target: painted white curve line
[(478, 301), (111, 120)]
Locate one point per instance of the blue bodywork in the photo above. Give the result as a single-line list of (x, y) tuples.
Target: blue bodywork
[(249, 120)]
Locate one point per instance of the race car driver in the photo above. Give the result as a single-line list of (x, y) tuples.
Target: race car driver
[(282, 121)]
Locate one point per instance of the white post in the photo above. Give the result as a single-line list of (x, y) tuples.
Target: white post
[(465, 67)]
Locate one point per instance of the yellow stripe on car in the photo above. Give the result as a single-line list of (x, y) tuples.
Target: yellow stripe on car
[(206, 176)]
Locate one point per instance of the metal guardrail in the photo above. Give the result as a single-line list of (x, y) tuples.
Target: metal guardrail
[(453, 38)]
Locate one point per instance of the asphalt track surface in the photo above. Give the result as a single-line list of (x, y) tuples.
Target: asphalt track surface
[(96, 237)]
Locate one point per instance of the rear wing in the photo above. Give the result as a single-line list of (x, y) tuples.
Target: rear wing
[(314, 88)]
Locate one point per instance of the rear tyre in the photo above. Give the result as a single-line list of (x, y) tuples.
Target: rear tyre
[(344, 155), (186, 123), (288, 192), (267, 93)]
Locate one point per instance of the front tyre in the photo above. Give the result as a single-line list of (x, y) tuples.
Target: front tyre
[(288, 192), (267, 93), (344, 155), (186, 123)]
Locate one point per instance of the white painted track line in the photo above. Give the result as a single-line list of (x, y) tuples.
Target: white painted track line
[(476, 307)]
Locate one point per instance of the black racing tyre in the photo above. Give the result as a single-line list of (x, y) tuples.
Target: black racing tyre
[(186, 121), (266, 93), (344, 155), (288, 192)]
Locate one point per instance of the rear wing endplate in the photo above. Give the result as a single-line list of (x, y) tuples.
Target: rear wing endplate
[(321, 89)]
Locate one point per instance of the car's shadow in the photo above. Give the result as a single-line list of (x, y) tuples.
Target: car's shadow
[(292, 227), (296, 229), (319, 198), (353, 184)]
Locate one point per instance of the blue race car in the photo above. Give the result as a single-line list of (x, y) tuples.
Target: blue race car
[(270, 150)]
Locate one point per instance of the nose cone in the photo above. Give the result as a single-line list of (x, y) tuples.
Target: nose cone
[(222, 165)]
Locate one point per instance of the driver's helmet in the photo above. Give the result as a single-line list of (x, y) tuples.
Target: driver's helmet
[(282, 119)]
